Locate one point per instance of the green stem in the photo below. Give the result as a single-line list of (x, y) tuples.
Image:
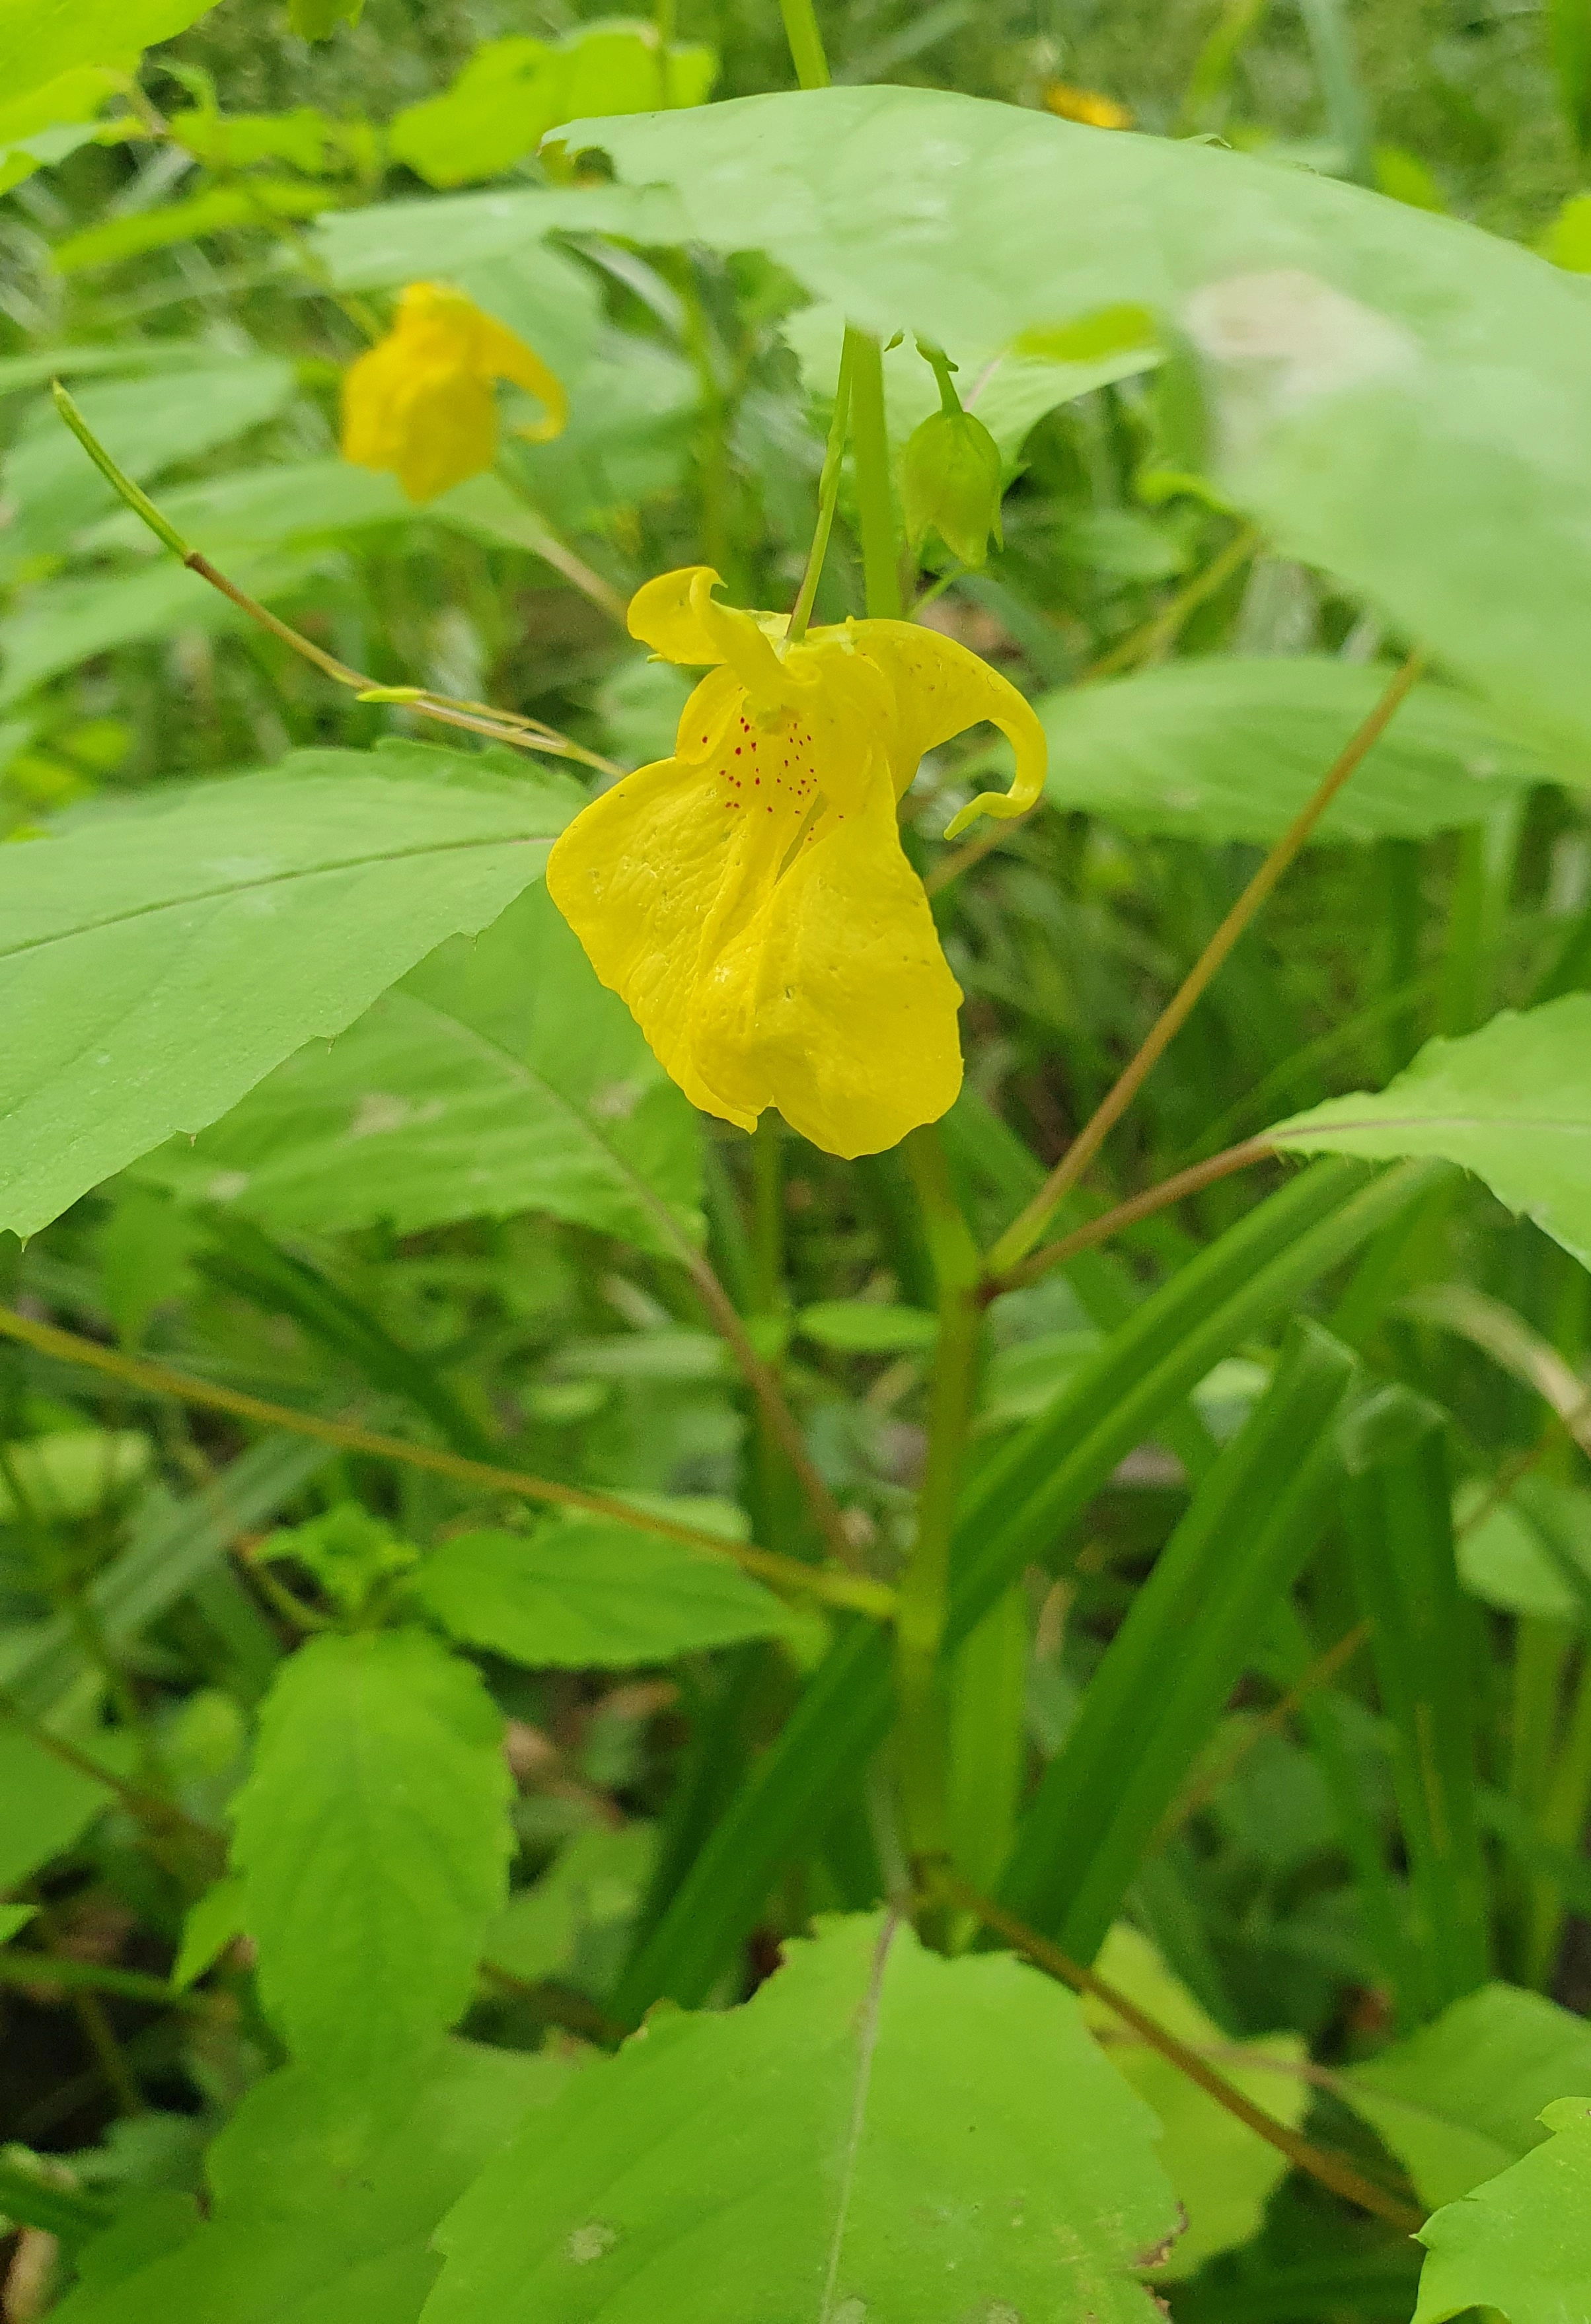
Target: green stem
[(806, 44), (943, 370), (870, 458), (1562, 1821), (827, 495), (923, 1597)]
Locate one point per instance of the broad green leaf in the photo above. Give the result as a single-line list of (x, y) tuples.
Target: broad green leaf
[(21, 156), (41, 364), (1510, 1102), (1461, 2099), (41, 38), (155, 965), (593, 1889), (402, 241), (70, 1474), (322, 2206), (498, 1077), (373, 1839), (1521, 2244), (1227, 747), (45, 1806), (795, 2158), (512, 92), (13, 1919), (1504, 1558), (221, 209), (1224, 2173), (65, 623), (579, 1593), (862, 1327), (1396, 396), (147, 425), (256, 509)]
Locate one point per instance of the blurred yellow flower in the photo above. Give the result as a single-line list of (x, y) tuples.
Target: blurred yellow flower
[(1086, 105), (420, 402), (749, 897)]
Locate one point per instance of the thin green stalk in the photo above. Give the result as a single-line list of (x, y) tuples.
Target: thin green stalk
[(827, 495), (870, 459), (19, 1967), (1023, 1232), (1562, 1823), (474, 718), (806, 44), (923, 1593), (851, 1590), (1346, 106)]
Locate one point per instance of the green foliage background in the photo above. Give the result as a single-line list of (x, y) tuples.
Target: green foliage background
[(477, 1838)]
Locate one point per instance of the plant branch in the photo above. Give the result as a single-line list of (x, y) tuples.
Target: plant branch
[(1190, 1181), (854, 1593), (806, 44), (827, 495), (475, 718), (1020, 1237), (1332, 2171)]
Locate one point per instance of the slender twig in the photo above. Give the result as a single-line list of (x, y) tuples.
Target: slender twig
[(1332, 2171), (19, 1967), (1320, 1672), (1141, 1206), (425, 703), (1159, 632), (853, 1591), (1020, 1237), (827, 496)]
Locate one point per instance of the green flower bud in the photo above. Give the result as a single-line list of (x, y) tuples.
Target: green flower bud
[(950, 480)]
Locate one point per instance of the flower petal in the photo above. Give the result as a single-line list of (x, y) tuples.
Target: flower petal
[(500, 354), (657, 876), (835, 1002), (678, 618), (940, 688)]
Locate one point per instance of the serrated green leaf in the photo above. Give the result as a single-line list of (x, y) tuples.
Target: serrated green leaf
[(1224, 2173), (498, 1077), (154, 966), (1510, 1102), (1228, 748), (795, 2158), (373, 1840), (1396, 397), (322, 2206), (41, 38), (1520, 2244), (1461, 2099), (579, 1593)]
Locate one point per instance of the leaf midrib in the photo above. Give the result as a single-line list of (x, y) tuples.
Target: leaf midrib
[(274, 880)]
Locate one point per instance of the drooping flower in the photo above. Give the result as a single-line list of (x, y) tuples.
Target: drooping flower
[(1086, 105), (421, 402), (749, 897)]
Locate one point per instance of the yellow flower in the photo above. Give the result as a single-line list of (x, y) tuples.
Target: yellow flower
[(749, 897), (420, 402), (1086, 105)]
